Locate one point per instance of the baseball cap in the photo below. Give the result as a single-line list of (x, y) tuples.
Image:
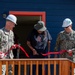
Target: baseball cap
[(40, 26)]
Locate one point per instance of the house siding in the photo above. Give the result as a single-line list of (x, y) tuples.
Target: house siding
[(56, 12)]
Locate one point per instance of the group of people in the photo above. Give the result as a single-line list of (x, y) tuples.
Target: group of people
[(38, 40)]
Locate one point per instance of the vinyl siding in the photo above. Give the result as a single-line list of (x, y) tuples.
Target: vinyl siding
[(56, 12)]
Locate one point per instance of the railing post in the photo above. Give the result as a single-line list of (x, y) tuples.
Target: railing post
[(0, 68), (65, 67)]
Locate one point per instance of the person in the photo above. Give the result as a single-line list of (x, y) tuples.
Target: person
[(7, 39), (38, 40), (66, 39)]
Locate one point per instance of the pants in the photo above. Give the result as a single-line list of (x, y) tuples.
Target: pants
[(4, 70)]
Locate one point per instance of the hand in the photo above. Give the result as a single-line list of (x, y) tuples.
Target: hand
[(70, 52), (35, 52), (2, 55), (14, 46)]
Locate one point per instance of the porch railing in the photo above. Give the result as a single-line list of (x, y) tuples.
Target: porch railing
[(56, 66)]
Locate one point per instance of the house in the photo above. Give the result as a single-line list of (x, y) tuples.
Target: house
[(54, 11)]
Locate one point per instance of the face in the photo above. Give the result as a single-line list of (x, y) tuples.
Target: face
[(68, 29), (10, 25), (39, 32)]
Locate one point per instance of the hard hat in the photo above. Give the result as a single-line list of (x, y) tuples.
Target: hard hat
[(12, 18), (67, 22)]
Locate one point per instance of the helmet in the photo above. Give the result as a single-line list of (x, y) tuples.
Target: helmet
[(67, 22), (12, 18)]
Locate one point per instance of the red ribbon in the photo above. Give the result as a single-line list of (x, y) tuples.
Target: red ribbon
[(18, 46), (46, 54), (60, 52)]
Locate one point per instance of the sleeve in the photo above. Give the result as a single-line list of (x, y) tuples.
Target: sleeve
[(49, 36), (12, 43), (57, 43), (0, 38), (12, 38)]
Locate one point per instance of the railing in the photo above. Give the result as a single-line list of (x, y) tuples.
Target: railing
[(56, 66)]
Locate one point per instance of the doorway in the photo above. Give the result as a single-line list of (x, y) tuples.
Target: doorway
[(25, 24)]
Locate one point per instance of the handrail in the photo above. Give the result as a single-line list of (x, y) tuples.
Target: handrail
[(63, 65)]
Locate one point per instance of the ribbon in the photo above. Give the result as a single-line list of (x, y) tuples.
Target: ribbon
[(18, 46), (46, 54)]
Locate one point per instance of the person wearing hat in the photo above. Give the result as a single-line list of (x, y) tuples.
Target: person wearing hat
[(38, 40), (7, 39), (66, 39)]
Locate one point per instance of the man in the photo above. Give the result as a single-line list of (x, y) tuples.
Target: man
[(7, 39), (66, 39), (38, 40)]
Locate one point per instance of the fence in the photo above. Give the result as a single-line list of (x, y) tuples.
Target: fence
[(60, 66)]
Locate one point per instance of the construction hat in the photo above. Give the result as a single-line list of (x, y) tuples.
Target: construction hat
[(12, 18), (67, 22)]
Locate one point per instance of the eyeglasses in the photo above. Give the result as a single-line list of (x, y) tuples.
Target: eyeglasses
[(67, 27)]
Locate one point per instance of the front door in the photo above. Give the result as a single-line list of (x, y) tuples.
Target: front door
[(25, 24)]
